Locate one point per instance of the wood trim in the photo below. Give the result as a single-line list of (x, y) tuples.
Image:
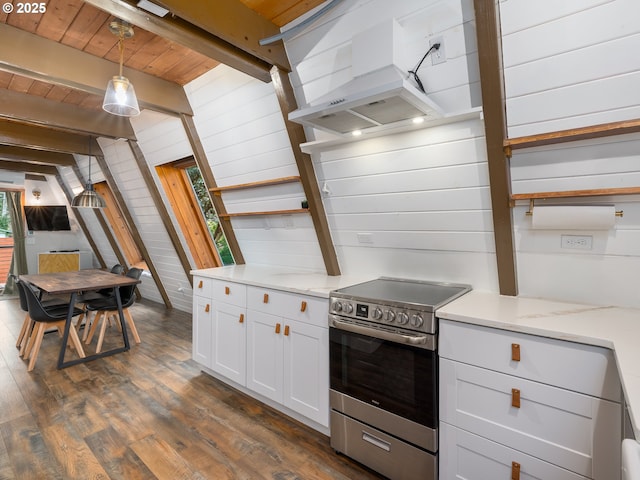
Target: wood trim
[(287, 101), (269, 212), (21, 154), (81, 222), (491, 81), (28, 167), (578, 193), (263, 183), (162, 209), (210, 182), (187, 212), (574, 134), (41, 138), (133, 229)]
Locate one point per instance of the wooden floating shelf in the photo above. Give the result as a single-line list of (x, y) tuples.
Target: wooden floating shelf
[(572, 135), (263, 183), (270, 212), (577, 193)]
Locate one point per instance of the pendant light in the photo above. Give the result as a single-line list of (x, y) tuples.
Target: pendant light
[(88, 198), (120, 97)]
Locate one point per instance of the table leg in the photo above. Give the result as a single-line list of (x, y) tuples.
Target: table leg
[(125, 336), (67, 326)]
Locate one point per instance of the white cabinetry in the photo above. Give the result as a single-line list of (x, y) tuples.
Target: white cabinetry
[(526, 405), (288, 351), (274, 343)]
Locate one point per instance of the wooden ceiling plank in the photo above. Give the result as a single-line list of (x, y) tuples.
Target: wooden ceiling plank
[(43, 59), (21, 154), (54, 24), (40, 111), (28, 167), (84, 26), (189, 36), (42, 138), (233, 22)]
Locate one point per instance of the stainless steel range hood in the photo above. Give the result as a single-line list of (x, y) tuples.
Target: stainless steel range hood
[(380, 94)]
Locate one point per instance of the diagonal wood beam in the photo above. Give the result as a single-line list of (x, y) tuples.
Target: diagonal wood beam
[(28, 167), (41, 157), (493, 104), (287, 101), (41, 111), (52, 62), (41, 138), (188, 35), (233, 22)]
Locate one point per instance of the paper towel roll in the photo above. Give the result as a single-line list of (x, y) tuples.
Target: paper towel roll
[(574, 217)]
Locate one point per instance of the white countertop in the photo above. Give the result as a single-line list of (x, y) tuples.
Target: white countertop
[(317, 284), (611, 327)]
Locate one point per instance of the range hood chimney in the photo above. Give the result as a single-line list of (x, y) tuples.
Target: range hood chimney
[(378, 97)]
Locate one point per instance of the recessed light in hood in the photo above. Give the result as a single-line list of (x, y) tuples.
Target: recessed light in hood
[(380, 94)]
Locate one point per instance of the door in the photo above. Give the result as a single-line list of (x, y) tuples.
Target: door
[(264, 354), (202, 330), (229, 344)]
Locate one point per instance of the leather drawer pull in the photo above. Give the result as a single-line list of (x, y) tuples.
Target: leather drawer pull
[(241, 320), (286, 330), (200, 284), (277, 328), (206, 309), (303, 306), (265, 299), (515, 471), (515, 352), (515, 397), (226, 290)]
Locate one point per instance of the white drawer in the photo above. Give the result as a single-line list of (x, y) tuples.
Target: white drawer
[(574, 366), (469, 456), (575, 431), (294, 306), (229, 292), (202, 287)]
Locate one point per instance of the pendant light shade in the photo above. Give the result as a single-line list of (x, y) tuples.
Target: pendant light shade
[(120, 97), (88, 198)]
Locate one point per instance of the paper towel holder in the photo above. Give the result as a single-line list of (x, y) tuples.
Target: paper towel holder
[(619, 213)]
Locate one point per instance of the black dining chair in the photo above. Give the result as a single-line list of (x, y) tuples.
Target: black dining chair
[(27, 324), (87, 297), (44, 318), (104, 308)]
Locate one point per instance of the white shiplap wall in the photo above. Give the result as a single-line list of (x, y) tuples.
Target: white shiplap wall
[(242, 130), (414, 204), (571, 64)]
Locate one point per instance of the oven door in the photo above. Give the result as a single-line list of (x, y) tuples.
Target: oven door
[(370, 365)]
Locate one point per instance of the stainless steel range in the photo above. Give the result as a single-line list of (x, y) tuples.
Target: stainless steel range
[(384, 374)]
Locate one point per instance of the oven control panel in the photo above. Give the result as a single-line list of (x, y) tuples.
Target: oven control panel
[(412, 319)]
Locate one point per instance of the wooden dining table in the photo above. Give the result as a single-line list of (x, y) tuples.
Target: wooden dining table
[(74, 283)]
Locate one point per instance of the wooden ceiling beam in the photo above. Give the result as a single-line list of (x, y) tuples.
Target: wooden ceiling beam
[(189, 36), (52, 62), (235, 23), (41, 138), (28, 167), (41, 111), (40, 157)]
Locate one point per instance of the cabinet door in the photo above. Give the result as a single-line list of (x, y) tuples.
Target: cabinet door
[(201, 344), (306, 376), (264, 354), (229, 351)]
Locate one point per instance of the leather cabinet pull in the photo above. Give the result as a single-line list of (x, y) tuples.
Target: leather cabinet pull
[(226, 290), (515, 352), (515, 471), (265, 299), (303, 306), (206, 309), (286, 330), (277, 328), (241, 319), (515, 397), (200, 284)]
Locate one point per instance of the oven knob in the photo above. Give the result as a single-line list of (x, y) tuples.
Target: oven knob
[(348, 308), (377, 313), (337, 306), (391, 316), (416, 320), (403, 318)]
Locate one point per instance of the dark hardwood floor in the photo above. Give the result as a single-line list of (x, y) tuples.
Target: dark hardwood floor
[(149, 413)]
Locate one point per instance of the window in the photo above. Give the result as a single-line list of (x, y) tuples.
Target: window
[(192, 206)]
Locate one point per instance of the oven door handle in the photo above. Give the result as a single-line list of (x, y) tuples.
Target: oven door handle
[(421, 341)]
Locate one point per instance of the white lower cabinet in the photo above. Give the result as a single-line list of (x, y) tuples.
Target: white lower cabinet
[(274, 343), (525, 423)]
